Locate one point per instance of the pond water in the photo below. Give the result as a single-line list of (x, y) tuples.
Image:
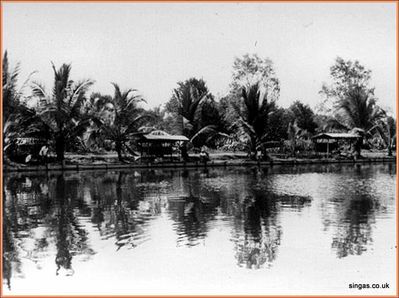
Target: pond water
[(279, 230)]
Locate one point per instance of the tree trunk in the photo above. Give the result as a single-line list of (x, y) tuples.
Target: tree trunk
[(118, 148), (252, 149), (358, 147), (60, 147), (180, 121), (293, 147), (184, 153)]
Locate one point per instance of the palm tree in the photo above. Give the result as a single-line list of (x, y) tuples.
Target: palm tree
[(200, 118), (253, 116), (197, 115), (358, 112), (127, 118), (61, 110), (17, 117), (387, 131), (189, 98), (11, 98), (11, 102), (359, 109), (293, 133), (99, 107)]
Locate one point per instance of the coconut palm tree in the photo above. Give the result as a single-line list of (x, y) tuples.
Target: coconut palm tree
[(253, 116), (12, 94), (11, 98), (61, 110), (189, 97), (18, 119), (358, 112), (198, 117), (359, 109), (387, 131), (11, 102), (100, 107), (127, 119)]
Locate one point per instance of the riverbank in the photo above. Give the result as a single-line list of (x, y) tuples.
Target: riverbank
[(76, 162)]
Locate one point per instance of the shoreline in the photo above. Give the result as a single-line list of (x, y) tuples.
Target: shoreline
[(194, 164)]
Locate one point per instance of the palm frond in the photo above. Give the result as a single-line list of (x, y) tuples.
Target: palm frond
[(334, 124), (248, 128), (80, 88), (39, 90), (134, 124), (61, 77), (209, 132)]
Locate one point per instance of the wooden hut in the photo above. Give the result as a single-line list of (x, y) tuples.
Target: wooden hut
[(159, 144), (329, 141)]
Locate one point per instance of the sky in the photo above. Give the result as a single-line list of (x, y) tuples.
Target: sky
[(152, 46)]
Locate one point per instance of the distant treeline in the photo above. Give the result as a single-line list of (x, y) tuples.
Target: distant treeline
[(248, 118)]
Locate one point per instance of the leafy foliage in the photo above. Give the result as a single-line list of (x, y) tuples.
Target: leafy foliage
[(61, 111), (251, 69), (127, 117), (197, 114), (11, 98), (359, 109), (346, 75), (387, 131), (18, 120), (304, 116), (353, 100), (254, 116)]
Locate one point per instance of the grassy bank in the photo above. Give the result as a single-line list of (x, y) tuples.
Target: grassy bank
[(76, 162)]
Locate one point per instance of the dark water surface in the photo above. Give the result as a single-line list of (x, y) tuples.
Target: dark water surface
[(280, 230)]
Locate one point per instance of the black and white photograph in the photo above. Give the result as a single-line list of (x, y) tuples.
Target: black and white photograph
[(199, 148)]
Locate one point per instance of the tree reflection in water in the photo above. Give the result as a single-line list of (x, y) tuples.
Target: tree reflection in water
[(11, 260), (22, 214), (351, 210), (191, 209), (252, 209), (353, 229), (41, 216), (122, 207), (257, 230), (53, 216)]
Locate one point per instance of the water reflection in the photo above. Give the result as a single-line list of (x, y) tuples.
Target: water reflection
[(353, 202), (354, 228), (255, 207), (57, 215)]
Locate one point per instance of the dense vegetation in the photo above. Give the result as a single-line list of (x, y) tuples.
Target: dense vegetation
[(248, 118)]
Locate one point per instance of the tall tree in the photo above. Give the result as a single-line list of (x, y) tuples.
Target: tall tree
[(126, 120), (61, 110), (254, 115), (11, 96), (253, 94), (251, 69), (186, 104), (101, 107), (387, 131), (18, 119), (304, 116), (345, 75), (196, 112), (352, 99), (279, 121)]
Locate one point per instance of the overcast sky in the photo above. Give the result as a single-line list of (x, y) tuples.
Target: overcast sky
[(152, 46)]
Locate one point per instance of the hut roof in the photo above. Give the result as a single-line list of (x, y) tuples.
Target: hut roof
[(159, 135), (333, 135)]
